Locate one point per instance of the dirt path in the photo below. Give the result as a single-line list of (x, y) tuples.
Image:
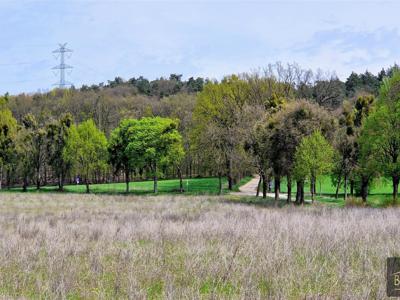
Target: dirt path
[(250, 189)]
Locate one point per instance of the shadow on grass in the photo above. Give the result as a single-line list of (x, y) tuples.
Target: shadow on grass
[(194, 187), (260, 201), (45, 190)]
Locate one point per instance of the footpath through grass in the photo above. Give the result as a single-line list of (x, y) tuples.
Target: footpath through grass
[(192, 186)]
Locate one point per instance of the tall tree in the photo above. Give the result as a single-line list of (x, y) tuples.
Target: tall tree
[(119, 156), (221, 106), (57, 136), (381, 133), (152, 143), (287, 128), (86, 150), (37, 134), (8, 131), (313, 158)]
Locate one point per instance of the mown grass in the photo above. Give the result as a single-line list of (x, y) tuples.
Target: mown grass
[(380, 194), (70, 246), (192, 186)]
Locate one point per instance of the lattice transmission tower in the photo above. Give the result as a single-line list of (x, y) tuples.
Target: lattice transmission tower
[(61, 54)]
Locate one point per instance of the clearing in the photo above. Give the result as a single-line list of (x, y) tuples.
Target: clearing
[(99, 246)]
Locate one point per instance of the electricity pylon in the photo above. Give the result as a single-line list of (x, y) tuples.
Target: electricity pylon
[(60, 52)]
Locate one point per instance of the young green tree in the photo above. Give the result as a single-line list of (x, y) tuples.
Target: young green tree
[(153, 142), (314, 157), (86, 150), (381, 133)]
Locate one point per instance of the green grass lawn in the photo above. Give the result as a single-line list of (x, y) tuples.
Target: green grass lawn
[(380, 192), (193, 186)]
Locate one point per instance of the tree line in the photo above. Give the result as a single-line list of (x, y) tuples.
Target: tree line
[(284, 123)]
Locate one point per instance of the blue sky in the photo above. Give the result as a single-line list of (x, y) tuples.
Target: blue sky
[(193, 38)]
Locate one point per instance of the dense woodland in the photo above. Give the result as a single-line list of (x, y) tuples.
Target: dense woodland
[(282, 122)]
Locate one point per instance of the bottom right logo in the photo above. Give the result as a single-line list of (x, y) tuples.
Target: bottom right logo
[(393, 276)]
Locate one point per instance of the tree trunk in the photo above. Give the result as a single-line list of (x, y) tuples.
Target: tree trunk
[(127, 180), (155, 189), (297, 201), (345, 188), (8, 178), (45, 175), (339, 181), (229, 174), (312, 188), (180, 180), (395, 188), (61, 181), (258, 186), (220, 183), (289, 189), (277, 186), (299, 192), (87, 184), (1, 177), (87, 180), (38, 177), (264, 184), (364, 188), (25, 184), (352, 187)]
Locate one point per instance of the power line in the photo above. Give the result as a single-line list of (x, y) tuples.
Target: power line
[(60, 52)]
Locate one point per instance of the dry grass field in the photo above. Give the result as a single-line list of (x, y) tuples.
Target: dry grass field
[(102, 247)]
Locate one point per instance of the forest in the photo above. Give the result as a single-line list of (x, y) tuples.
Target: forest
[(288, 124)]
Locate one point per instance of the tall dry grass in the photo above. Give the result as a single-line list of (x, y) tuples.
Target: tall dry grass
[(103, 247)]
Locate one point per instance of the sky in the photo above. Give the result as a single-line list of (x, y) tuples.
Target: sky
[(194, 38)]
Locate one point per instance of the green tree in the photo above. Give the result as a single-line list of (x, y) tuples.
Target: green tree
[(57, 136), (381, 133), (287, 128), (258, 145), (24, 150), (86, 150), (153, 142), (349, 164), (220, 106), (8, 131), (37, 140), (119, 156), (313, 157)]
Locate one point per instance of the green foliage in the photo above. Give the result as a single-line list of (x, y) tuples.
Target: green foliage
[(314, 157), (86, 149), (152, 141), (289, 126), (380, 140), (57, 136), (8, 131), (117, 147)]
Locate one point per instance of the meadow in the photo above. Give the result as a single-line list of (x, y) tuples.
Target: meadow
[(71, 246), (192, 186), (380, 192)]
